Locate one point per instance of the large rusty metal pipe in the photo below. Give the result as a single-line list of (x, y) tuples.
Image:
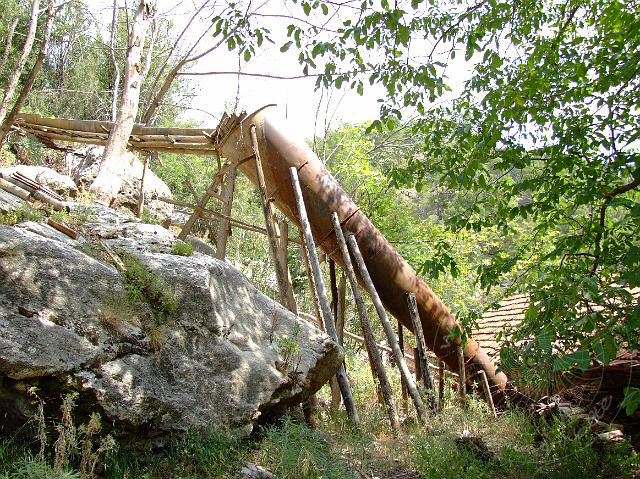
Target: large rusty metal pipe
[(391, 274)]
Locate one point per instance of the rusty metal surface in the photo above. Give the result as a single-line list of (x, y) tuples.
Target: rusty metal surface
[(391, 274)]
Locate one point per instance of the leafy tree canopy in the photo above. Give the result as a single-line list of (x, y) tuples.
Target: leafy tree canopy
[(544, 135)]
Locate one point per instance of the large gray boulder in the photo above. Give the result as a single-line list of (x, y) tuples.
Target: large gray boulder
[(83, 166), (226, 358)]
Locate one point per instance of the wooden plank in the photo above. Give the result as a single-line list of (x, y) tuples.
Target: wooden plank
[(26, 119), (421, 357), (272, 233), (388, 329), (375, 361), (63, 229), (329, 324)]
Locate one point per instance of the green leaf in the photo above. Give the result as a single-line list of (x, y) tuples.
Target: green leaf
[(286, 46), (631, 401), (307, 8), (325, 9)]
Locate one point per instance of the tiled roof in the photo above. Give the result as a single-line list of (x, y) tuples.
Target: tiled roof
[(508, 315)]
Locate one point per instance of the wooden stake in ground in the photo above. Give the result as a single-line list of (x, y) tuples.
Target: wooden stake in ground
[(224, 224), (367, 331), (487, 391), (270, 224), (403, 386), (282, 229), (421, 357), (388, 329), (333, 383), (330, 327), (145, 165), (440, 385), (462, 376)]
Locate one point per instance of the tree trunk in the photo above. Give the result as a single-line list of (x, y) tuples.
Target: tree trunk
[(109, 180), (28, 85), (9, 44), (114, 60), (26, 50)]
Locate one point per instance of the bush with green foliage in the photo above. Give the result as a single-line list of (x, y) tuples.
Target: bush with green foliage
[(20, 215), (145, 286)]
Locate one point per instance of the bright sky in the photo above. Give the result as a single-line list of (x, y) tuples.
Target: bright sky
[(306, 109)]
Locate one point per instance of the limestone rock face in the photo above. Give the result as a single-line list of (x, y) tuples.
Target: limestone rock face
[(48, 177), (67, 324), (84, 165)]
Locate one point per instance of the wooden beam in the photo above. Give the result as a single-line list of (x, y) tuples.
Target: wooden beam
[(224, 222), (403, 385), (440, 385), (422, 349), (375, 361), (202, 204), (487, 391), (329, 324), (388, 329), (140, 207), (462, 380)]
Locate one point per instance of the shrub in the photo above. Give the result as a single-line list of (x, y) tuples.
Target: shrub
[(143, 285), (20, 215)]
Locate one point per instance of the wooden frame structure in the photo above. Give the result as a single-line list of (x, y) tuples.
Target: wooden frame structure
[(206, 142)]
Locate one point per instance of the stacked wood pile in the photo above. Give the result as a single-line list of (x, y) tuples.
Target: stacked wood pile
[(51, 131)]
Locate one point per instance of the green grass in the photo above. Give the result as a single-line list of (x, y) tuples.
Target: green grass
[(513, 446), (293, 451), (182, 249)]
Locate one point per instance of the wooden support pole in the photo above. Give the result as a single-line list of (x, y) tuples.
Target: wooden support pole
[(312, 281), (283, 256), (340, 315), (377, 368), (197, 211), (487, 391), (270, 224), (333, 383), (140, 207), (421, 356), (388, 329), (462, 377), (224, 223), (440, 385), (403, 386), (330, 327)]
